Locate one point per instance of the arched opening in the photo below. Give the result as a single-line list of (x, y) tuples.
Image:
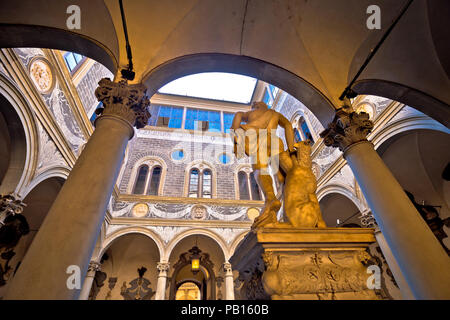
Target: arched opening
[(155, 180), (13, 147), (207, 278), (418, 159), (423, 102), (189, 290), (193, 183), (243, 186), (299, 88), (38, 203), (339, 211), (141, 178), (128, 270)]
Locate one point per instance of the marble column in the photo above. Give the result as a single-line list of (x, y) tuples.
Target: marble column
[(163, 268), (62, 248), (87, 284), (229, 281), (422, 260), (368, 221)]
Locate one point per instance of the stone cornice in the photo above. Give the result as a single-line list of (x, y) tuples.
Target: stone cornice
[(214, 201), (181, 223)]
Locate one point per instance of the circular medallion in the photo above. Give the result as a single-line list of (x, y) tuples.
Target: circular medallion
[(199, 212), (140, 210), (252, 213), (41, 75)]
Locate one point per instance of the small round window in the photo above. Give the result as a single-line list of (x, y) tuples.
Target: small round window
[(177, 154), (224, 158)]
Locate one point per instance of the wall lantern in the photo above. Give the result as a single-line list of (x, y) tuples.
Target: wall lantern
[(195, 259)]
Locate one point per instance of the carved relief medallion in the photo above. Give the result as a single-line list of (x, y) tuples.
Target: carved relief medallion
[(252, 213), (199, 212), (41, 75), (140, 210)]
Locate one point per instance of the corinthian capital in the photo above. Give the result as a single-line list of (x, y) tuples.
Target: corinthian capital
[(163, 266), (129, 102), (94, 266), (10, 205), (347, 128), (227, 267), (368, 221)]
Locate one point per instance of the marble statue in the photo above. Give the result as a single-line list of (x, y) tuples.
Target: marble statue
[(257, 139), (301, 206)]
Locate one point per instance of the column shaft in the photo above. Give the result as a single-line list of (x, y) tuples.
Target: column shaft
[(393, 266), (163, 268), (422, 260), (89, 280), (229, 281), (161, 288), (69, 232)]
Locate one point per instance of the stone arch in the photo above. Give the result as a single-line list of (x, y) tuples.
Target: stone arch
[(436, 109), (109, 240), (298, 87), (338, 205), (24, 144), (39, 199), (236, 242), (151, 161), (205, 232), (47, 28), (334, 188), (59, 172), (403, 126), (247, 168)]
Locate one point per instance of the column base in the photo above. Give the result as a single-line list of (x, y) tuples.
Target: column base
[(305, 264)]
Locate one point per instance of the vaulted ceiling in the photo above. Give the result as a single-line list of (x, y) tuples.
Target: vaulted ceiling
[(310, 48)]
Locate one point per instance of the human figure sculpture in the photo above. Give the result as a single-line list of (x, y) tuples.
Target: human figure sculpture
[(257, 139)]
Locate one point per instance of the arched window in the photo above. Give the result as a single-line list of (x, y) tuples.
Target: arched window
[(256, 194), (243, 186), (139, 185), (193, 183), (297, 136), (155, 179), (206, 184), (303, 127)]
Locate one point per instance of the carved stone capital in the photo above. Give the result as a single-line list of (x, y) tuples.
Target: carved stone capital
[(163, 266), (347, 128), (368, 221), (227, 267), (129, 102), (94, 267), (10, 204)]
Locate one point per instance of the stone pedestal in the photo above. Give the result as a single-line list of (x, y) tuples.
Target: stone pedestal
[(305, 264)]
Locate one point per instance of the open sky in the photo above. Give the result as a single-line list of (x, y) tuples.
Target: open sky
[(213, 85)]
